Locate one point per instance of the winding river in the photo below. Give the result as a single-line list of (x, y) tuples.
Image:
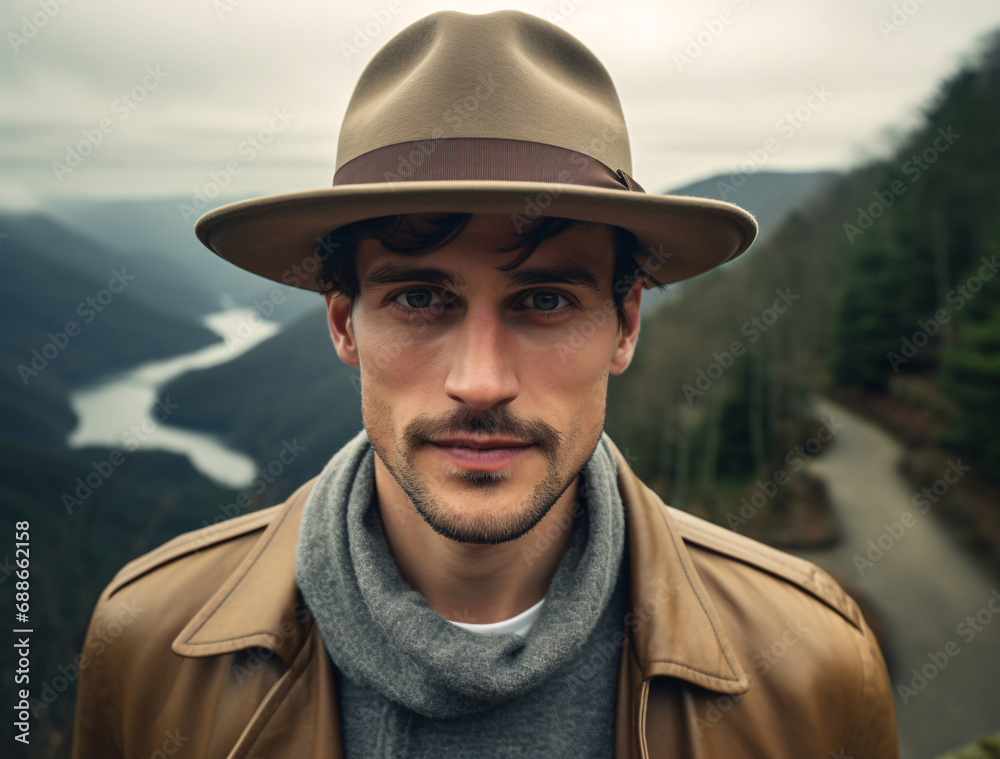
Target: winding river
[(126, 409)]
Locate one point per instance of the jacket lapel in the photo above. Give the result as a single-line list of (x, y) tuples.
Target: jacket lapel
[(304, 697), (259, 606), (676, 631), (673, 630)]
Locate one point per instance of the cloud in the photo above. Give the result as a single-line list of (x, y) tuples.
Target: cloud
[(229, 63)]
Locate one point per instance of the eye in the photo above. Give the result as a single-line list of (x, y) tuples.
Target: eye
[(418, 298), (546, 301)]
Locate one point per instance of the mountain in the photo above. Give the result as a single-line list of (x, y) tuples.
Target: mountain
[(714, 413), (161, 232), (73, 310), (85, 524), (162, 229), (290, 387), (720, 388), (70, 315), (158, 284), (771, 196)]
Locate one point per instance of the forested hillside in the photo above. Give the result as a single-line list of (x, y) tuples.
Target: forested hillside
[(291, 386), (920, 303), (881, 291), (73, 311)]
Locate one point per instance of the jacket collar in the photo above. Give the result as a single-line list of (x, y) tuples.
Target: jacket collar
[(676, 630), (673, 630), (258, 605)]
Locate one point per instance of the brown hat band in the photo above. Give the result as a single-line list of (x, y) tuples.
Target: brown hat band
[(481, 158)]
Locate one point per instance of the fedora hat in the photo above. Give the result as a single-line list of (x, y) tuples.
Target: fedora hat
[(495, 113)]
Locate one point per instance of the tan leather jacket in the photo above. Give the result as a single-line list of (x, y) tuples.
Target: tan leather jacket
[(734, 650)]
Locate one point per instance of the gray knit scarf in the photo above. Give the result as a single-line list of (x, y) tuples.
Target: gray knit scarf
[(404, 664)]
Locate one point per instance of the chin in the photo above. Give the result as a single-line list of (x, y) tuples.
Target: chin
[(487, 531), (481, 510)]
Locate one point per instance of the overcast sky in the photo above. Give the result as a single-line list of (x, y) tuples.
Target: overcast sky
[(212, 72)]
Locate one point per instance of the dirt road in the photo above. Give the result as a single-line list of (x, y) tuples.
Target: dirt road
[(934, 599)]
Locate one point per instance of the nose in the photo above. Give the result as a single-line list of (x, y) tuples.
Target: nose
[(481, 364)]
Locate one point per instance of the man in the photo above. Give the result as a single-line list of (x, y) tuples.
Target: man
[(479, 573)]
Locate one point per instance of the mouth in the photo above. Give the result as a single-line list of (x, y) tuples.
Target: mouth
[(484, 454), (480, 443)]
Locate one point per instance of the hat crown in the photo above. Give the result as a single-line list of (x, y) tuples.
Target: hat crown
[(506, 75)]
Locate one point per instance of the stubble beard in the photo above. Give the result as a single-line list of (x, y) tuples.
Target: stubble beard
[(493, 528)]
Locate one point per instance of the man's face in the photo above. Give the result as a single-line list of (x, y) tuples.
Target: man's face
[(483, 391)]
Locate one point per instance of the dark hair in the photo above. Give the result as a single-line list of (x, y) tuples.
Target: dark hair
[(400, 234)]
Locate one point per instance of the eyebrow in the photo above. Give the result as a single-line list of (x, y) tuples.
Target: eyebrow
[(568, 274), (390, 273)]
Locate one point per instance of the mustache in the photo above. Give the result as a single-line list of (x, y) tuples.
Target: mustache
[(492, 421)]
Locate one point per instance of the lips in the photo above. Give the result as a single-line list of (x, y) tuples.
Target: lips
[(481, 454), (480, 443)]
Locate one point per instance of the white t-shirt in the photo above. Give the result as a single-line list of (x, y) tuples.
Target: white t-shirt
[(519, 624)]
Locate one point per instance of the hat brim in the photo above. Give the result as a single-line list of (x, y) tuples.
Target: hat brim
[(276, 235)]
